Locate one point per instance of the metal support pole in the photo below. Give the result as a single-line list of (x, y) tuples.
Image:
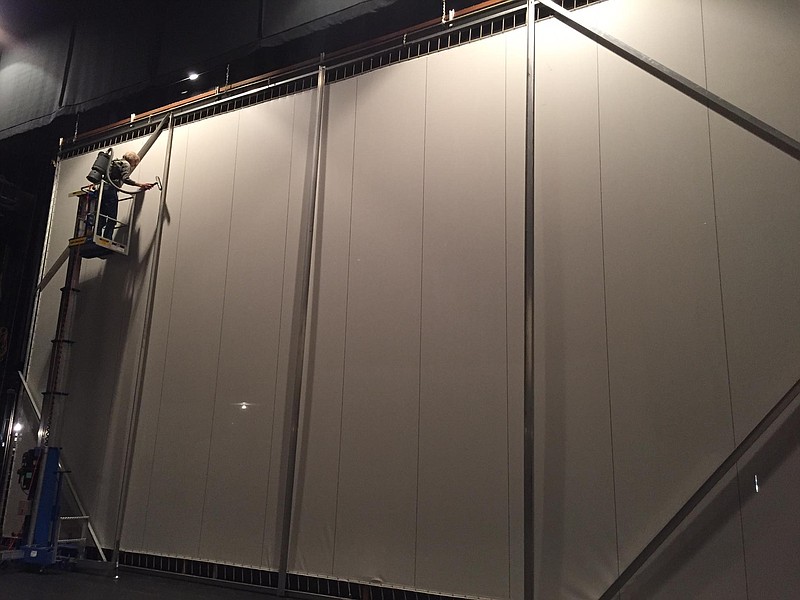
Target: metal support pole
[(733, 113), (143, 351), (59, 357), (298, 337), (528, 402), (57, 371)]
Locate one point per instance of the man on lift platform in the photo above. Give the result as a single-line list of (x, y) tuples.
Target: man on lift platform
[(119, 172)]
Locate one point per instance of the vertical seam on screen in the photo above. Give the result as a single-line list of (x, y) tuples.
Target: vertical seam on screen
[(344, 340), (219, 340), (716, 237), (272, 418), (722, 300), (508, 370), (421, 307), (605, 309), (166, 348), (280, 331)]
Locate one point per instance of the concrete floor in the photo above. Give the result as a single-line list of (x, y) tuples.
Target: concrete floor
[(62, 585)]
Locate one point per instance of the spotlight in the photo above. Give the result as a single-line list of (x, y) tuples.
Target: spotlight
[(17, 427), (193, 76)]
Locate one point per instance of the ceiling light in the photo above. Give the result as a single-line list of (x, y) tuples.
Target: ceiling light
[(193, 76)]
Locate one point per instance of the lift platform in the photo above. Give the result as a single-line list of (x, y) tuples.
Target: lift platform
[(89, 222)]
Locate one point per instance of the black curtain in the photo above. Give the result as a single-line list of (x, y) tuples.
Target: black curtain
[(284, 21), (110, 55), (19, 255), (63, 58), (31, 77)]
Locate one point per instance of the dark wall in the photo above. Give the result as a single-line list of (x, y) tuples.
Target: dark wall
[(21, 216)]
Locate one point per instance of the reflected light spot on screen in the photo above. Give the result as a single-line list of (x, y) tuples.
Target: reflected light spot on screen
[(244, 405), (756, 484)]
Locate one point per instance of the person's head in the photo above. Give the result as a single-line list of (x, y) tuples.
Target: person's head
[(132, 158)]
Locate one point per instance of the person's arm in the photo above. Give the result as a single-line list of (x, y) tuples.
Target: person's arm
[(126, 177)]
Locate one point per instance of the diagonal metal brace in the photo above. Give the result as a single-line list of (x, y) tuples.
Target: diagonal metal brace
[(53, 270), (734, 457), (719, 105), (153, 137)]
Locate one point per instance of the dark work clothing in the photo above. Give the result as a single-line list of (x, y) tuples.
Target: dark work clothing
[(108, 208), (121, 171)]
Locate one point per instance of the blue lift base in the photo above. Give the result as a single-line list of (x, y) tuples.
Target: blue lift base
[(42, 556)]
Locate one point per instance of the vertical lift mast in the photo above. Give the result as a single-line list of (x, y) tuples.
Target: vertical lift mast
[(41, 474)]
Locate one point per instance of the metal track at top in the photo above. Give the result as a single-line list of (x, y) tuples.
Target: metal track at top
[(405, 46)]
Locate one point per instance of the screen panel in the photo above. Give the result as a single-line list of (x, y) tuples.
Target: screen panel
[(180, 466), (377, 492), (668, 374), (462, 526), (142, 466), (244, 404), (576, 545)]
